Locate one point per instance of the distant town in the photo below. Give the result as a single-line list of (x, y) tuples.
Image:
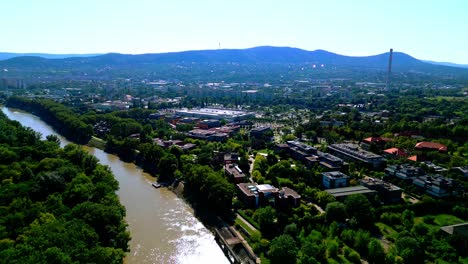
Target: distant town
[(357, 169)]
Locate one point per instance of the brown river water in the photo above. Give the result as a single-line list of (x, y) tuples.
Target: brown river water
[(162, 226)]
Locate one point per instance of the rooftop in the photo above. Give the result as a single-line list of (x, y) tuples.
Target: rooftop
[(249, 189), (396, 152), (377, 139), (301, 145), (369, 181), (335, 175), (431, 145), (329, 156), (285, 191), (437, 180), (354, 150), (266, 187), (339, 192), (260, 128), (460, 228), (234, 170)]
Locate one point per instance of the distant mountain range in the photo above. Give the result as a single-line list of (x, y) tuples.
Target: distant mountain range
[(279, 57), (9, 55), (451, 64)]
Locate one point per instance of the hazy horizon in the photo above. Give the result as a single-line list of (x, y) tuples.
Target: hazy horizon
[(425, 31)]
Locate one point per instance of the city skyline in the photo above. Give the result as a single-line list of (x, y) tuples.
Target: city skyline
[(359, 28)]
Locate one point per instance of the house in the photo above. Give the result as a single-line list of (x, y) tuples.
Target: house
[(234, 173), (395, 153), (387, 192), (378, 141), (335, 179), (415, 158), (425, 145)]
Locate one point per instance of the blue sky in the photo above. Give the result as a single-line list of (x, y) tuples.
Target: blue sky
[(430, 29)]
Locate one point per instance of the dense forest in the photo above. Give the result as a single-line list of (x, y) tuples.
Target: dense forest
[(57, 205), (61, 118)]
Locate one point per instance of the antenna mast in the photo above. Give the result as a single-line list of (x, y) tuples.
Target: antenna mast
[(389, 71)]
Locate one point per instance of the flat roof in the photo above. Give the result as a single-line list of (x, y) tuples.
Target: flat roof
[(461, 228), (338, 192), (214, 111), (290, 192), (355, 150), (378, 182), (235, 171), (265, 187), (335, 175), (248, 189)]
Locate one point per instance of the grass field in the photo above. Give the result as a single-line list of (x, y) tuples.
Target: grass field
[(247, 227), (446, 219)]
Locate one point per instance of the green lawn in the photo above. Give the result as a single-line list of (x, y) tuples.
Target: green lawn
[(247, 228), (439, 221), (446, 219), (248, 218)]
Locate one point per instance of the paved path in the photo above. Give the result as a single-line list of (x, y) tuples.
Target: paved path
[(246, 222), (318, 208)]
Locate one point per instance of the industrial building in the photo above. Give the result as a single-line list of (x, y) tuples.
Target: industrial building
[(352, 152), (216, 113), (341, 193)]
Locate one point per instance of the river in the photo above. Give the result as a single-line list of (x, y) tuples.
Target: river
[(162, 226)]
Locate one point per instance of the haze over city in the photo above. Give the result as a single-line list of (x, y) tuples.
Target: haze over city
[(429, 31)]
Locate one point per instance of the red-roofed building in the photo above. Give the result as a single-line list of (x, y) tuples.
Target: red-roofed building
[(425, 145), (395, 152), (415, 158), (377, 141)]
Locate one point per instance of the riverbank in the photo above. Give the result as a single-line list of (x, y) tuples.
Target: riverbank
[(163, 227)]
